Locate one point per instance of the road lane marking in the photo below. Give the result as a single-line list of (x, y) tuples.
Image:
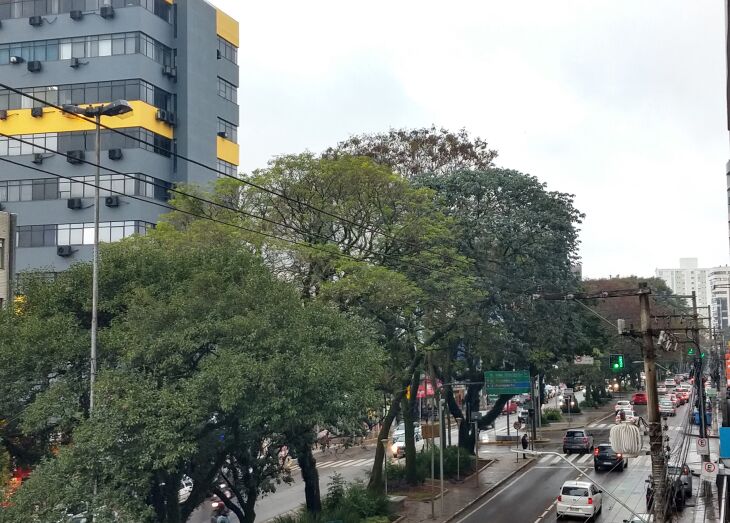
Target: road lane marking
[(584, 459), (494, 496)]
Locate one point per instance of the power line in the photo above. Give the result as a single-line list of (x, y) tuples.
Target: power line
[(170, 207), (373, 230)]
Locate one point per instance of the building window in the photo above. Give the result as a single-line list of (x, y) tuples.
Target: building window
[(24, 8), (88, 47), (227, 50), (78, 233), (87, 93), (137, 137), (226, 168), (82, 187), (227, 130), (227, 90)]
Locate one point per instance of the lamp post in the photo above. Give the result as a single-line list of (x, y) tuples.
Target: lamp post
[(116, 108), (458, 450)]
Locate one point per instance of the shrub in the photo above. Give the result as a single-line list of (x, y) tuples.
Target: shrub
[(352, 503), (552, 415)]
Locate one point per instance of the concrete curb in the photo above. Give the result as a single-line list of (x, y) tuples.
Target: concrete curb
[(488, 491), (600, 417)]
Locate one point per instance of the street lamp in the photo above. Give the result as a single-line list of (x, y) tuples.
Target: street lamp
[(115, 108)]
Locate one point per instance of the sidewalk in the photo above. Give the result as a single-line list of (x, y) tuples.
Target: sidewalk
[(461, 496)]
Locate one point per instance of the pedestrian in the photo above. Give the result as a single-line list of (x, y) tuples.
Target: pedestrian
[(524, 445), (223, 517)]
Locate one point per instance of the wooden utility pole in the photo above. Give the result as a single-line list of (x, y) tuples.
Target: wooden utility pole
[(656, 443)]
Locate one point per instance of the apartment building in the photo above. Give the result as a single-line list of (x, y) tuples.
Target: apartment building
[(175, 62)]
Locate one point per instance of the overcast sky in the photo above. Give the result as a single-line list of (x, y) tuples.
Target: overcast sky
[(621, 103)]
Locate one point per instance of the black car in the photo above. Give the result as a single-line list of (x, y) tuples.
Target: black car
[(604, 457)]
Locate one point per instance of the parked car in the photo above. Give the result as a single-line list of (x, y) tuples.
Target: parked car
[(579, 440), (683, 476), (638, 398), (667, 408), (621, 405), (626, 415), (579, 498), (398, 448), (604, 457)]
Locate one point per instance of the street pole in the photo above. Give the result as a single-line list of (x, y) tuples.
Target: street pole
[(95, 264), (433, 443), (458, 450), (442, 448), (536, 407), (385, 463), (476, 451), (698, 372), (658, 465)]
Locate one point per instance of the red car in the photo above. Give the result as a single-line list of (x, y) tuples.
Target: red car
[(509, 407), (638, 398)]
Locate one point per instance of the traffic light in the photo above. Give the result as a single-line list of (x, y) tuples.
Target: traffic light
[(691, 351), (616, 362)]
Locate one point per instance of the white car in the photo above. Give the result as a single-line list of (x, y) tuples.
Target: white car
[(400, 430), (661, 389), (398, 448), (666, 407), (579, 498), (622, 405), (186, 487)]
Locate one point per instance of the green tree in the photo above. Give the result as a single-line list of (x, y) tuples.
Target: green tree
[(206, 362)]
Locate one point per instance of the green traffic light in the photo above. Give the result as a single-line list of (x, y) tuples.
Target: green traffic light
[(691, 351)]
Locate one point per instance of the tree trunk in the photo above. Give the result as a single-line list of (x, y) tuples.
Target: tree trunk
[(376, 476), (310, 476), (250, 506), (230, 505)]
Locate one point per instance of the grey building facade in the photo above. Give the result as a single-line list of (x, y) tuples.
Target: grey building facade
[(175, 62)]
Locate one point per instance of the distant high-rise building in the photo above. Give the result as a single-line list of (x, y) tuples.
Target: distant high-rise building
[(718, 279), (687, 278), (176, 64)]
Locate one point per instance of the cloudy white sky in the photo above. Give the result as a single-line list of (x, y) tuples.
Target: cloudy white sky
[(621, 103)]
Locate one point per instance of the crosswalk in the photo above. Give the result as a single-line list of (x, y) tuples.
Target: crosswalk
[(343, 463), (587, 459), (599, 426)]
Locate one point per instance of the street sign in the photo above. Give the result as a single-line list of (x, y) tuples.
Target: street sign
[(567, 392), (703, 449), (583, 360), (517, 425), (507, 382), (709, 471)]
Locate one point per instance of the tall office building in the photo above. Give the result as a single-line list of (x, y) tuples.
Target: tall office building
[(174, 61), (686, 279), (718, 279)]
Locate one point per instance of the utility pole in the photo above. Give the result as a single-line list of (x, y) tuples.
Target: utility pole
[(698, 372), (656, 443)]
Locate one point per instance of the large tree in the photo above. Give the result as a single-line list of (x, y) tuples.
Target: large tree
[(207, 362)]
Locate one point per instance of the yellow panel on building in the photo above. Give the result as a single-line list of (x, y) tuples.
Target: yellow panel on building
[(227, 150), (55, 121), (226, 27)]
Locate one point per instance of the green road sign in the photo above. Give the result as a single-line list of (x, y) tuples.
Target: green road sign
[(507, 382)]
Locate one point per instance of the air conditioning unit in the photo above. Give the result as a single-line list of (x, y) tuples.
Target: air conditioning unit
[(171, 118), (106, 11), (36, 112), (75, 62), (37, 158), (16, 60), (64, 251), (34, 66), (35, 21), (115, 154), (74, 204), (170, 71), (223, 134), (76, 14), (111, 201), (75, 157), (161, 115), (3, 114)]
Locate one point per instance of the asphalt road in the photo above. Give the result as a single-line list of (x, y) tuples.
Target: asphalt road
[(531, 496)]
